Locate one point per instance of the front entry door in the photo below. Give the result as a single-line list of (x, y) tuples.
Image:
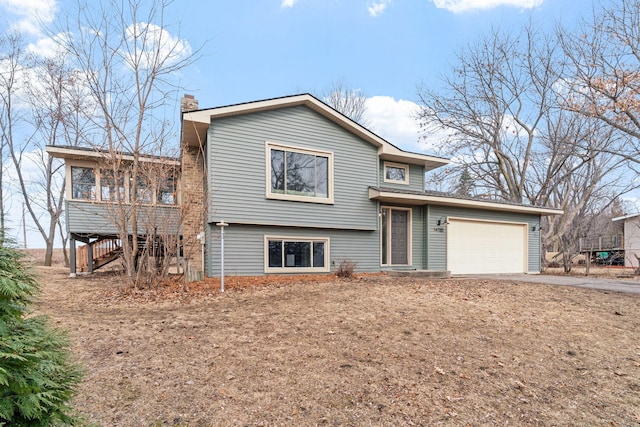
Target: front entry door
[(394, 230), (399, 237)]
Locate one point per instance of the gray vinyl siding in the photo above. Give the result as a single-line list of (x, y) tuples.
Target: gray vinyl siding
[(244, 248), (237, 171), (417, 237), (436, 236), (99, 218), (416, 178)]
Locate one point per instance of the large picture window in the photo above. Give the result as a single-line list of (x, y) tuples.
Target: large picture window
[(83, 183), (297, 174), (291, 255)]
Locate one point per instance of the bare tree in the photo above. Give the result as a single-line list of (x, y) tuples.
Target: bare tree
[(347, 100), (606, 85), (39, 99), (11, 50), (508, 130), (129, 61), (493, 104), (55, 97)]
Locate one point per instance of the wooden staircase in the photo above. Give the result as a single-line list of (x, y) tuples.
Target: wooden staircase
[(104, 252)]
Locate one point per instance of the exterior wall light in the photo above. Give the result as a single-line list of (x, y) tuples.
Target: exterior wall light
[(443, 220)]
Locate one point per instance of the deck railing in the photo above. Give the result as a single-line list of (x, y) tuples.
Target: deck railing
[(100, 249), (601, 243)]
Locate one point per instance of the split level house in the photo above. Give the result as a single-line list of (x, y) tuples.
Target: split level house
[(302, 188)]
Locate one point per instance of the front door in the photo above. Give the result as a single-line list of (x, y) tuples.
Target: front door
[(394, 228), (399, 237)]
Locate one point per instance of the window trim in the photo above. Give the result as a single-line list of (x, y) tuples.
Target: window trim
[(325, 240), (398, 166), (98, 199), (388, 230), (294, 197), (96, 182), (100, 174)]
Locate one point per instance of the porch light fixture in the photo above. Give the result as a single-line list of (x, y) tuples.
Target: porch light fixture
[(443, 220), (536, 227)]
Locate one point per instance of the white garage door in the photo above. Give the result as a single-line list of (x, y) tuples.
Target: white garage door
[(475, 247)]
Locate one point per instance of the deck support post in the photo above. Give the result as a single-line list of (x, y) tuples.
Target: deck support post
[(90, 258), (72, 257)]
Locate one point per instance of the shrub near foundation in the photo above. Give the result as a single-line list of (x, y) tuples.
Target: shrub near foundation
[(346, 269), (37, 378)]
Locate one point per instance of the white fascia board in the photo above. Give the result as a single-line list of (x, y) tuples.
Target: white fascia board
[(394, 154), (70, 153), (419, 199), (620, 218)]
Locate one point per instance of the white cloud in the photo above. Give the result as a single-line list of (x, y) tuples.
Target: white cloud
[(288, 3), (50, 47), (396, 122), (155, 44), (457, 6), (377, 8), (30, 14)]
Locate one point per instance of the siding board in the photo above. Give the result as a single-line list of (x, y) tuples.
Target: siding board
[(244, 247), (416, 178), (98, 218), (237, 171)]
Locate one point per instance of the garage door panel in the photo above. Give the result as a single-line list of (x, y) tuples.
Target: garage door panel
[(475, 247)]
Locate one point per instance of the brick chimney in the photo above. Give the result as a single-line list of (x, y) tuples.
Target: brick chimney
[(193, 202), (188, 103)]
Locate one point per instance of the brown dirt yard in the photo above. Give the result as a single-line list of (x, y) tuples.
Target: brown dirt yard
[(374, 351)]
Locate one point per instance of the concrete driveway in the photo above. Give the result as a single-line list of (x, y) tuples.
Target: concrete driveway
[(613, 285)]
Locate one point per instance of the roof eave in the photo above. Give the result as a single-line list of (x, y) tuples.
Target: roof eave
[(624, 217), (195, 124), (77, 154), (420, 199)]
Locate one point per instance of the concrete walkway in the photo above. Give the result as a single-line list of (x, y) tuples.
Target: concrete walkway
[(613, 285)]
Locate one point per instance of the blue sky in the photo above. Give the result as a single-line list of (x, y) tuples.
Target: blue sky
[(269, 48), (257, 49), (260, 49)]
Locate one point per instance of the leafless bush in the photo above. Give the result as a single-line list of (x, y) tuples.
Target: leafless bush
[(346, 268)]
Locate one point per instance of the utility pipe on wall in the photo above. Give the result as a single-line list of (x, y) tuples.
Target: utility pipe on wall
[(222, 225)]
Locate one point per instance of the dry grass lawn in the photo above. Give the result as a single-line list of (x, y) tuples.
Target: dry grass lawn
[(376, 351)]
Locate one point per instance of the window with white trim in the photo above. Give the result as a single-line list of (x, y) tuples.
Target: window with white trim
[(396, 173), (291, 254), (167, 193), (112, 186), (83, 183), (299, 174)]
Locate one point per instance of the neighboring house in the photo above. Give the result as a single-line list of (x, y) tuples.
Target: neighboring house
[(631, 240), (303, 188)]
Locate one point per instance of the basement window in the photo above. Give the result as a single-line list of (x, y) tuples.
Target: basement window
[(293, 255)]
